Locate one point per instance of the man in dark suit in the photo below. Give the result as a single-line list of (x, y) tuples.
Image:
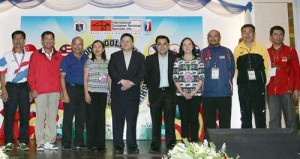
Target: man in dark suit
[(126, 69), (162, 92)]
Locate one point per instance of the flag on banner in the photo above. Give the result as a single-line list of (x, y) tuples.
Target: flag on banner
[(65, 49)]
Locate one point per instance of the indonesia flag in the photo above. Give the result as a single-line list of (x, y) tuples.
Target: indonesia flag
[(65, 49)]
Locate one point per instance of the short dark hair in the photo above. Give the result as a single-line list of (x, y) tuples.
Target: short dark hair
[(18, 32), (128, 35), (181, 52), (276, 27), (162, 37), (103, 54), (47, 33), (248, 26)]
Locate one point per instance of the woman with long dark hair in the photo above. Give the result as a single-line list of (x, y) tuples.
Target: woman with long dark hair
[(188, 75)]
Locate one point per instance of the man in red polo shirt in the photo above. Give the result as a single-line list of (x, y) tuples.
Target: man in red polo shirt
[(284, 85)]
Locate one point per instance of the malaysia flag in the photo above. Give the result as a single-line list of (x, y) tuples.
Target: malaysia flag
[(65, 49)]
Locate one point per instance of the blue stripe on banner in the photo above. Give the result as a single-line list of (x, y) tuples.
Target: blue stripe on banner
[(20, 76), (2, 62)]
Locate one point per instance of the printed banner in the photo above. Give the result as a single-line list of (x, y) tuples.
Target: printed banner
[(109, 29)]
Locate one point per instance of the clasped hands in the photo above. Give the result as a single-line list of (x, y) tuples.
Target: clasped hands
[(126, 84), (188, 96)]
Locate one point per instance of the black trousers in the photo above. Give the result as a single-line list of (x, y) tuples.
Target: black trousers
[(252, 98), (18, 96), (165, 102), (189, 113), (76, 107), (124, 108), (95, 120), (214, 105)]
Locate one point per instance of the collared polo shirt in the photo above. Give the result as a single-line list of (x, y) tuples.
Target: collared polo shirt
[(15, 66), (73, 68), (49, 56)]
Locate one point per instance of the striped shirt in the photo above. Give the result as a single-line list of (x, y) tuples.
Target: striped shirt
[(97, 76)]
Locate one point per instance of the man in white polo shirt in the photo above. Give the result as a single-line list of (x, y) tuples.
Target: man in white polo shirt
[(15, 90)]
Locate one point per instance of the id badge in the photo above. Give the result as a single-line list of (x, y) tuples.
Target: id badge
[(103, 78), (284, 59), (273, 71), (251, 75), (215, 73), (189, 77)]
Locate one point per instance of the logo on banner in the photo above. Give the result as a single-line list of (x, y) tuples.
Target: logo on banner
[(148, 25), (116, 26), (79, 26), (101, 25)]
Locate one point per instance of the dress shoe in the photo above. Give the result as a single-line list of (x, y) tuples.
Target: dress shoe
[(154, 150), (100, 148), (119, 151), (67, 147), (80, 146), (133, 151), (90, 149)]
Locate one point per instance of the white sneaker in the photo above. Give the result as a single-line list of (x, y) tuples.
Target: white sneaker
[(40, 147), (50, 146)]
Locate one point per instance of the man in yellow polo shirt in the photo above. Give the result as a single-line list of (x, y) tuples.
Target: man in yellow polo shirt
[(252, 62)]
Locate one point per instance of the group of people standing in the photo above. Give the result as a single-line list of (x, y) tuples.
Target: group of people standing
[(187, 79)]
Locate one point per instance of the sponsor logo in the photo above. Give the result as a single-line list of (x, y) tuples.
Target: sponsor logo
[(147, 25), (101, 25), (79, 26)]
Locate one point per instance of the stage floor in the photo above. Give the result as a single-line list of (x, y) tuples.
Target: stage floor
[(284, 149), (144, 146)]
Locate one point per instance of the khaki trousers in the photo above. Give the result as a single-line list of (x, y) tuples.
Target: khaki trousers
[(45, 121)]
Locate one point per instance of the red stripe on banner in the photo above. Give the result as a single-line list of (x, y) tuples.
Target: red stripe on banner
[(202, 134)]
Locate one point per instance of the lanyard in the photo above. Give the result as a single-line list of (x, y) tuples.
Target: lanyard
[(101, 66), (249, 57), (214, 60), (16, 59), (275, 55), (188, 66)]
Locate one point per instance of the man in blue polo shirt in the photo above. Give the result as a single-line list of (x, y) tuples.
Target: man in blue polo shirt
[(73, 94)]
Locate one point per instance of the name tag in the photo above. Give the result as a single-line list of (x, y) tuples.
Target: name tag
[(273, 71), (215, 73), (103, 78), (221, 57), (284, 59), (251, 75)]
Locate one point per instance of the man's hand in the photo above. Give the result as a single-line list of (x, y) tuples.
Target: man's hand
[(65, 98), (4, 95), (126, 84), (296, 95), (34, 94)]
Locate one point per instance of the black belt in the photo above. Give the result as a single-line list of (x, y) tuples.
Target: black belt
[(17, 84), (75, 85), (164, 88)]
